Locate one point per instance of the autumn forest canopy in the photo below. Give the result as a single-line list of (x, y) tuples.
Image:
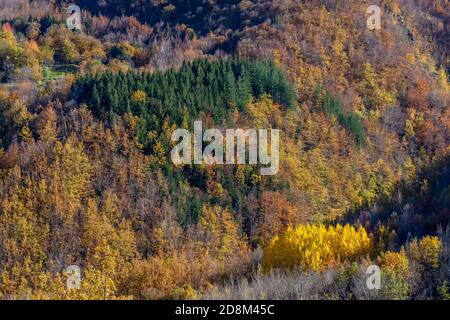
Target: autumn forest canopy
[(86, 124)]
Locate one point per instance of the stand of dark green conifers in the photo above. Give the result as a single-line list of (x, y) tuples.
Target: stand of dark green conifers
[(332, 106), (201, 87)]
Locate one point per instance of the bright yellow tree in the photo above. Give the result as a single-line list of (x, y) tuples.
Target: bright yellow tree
[(314, 247)]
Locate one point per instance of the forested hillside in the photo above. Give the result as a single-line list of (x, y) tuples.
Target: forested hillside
[(86, 179)]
